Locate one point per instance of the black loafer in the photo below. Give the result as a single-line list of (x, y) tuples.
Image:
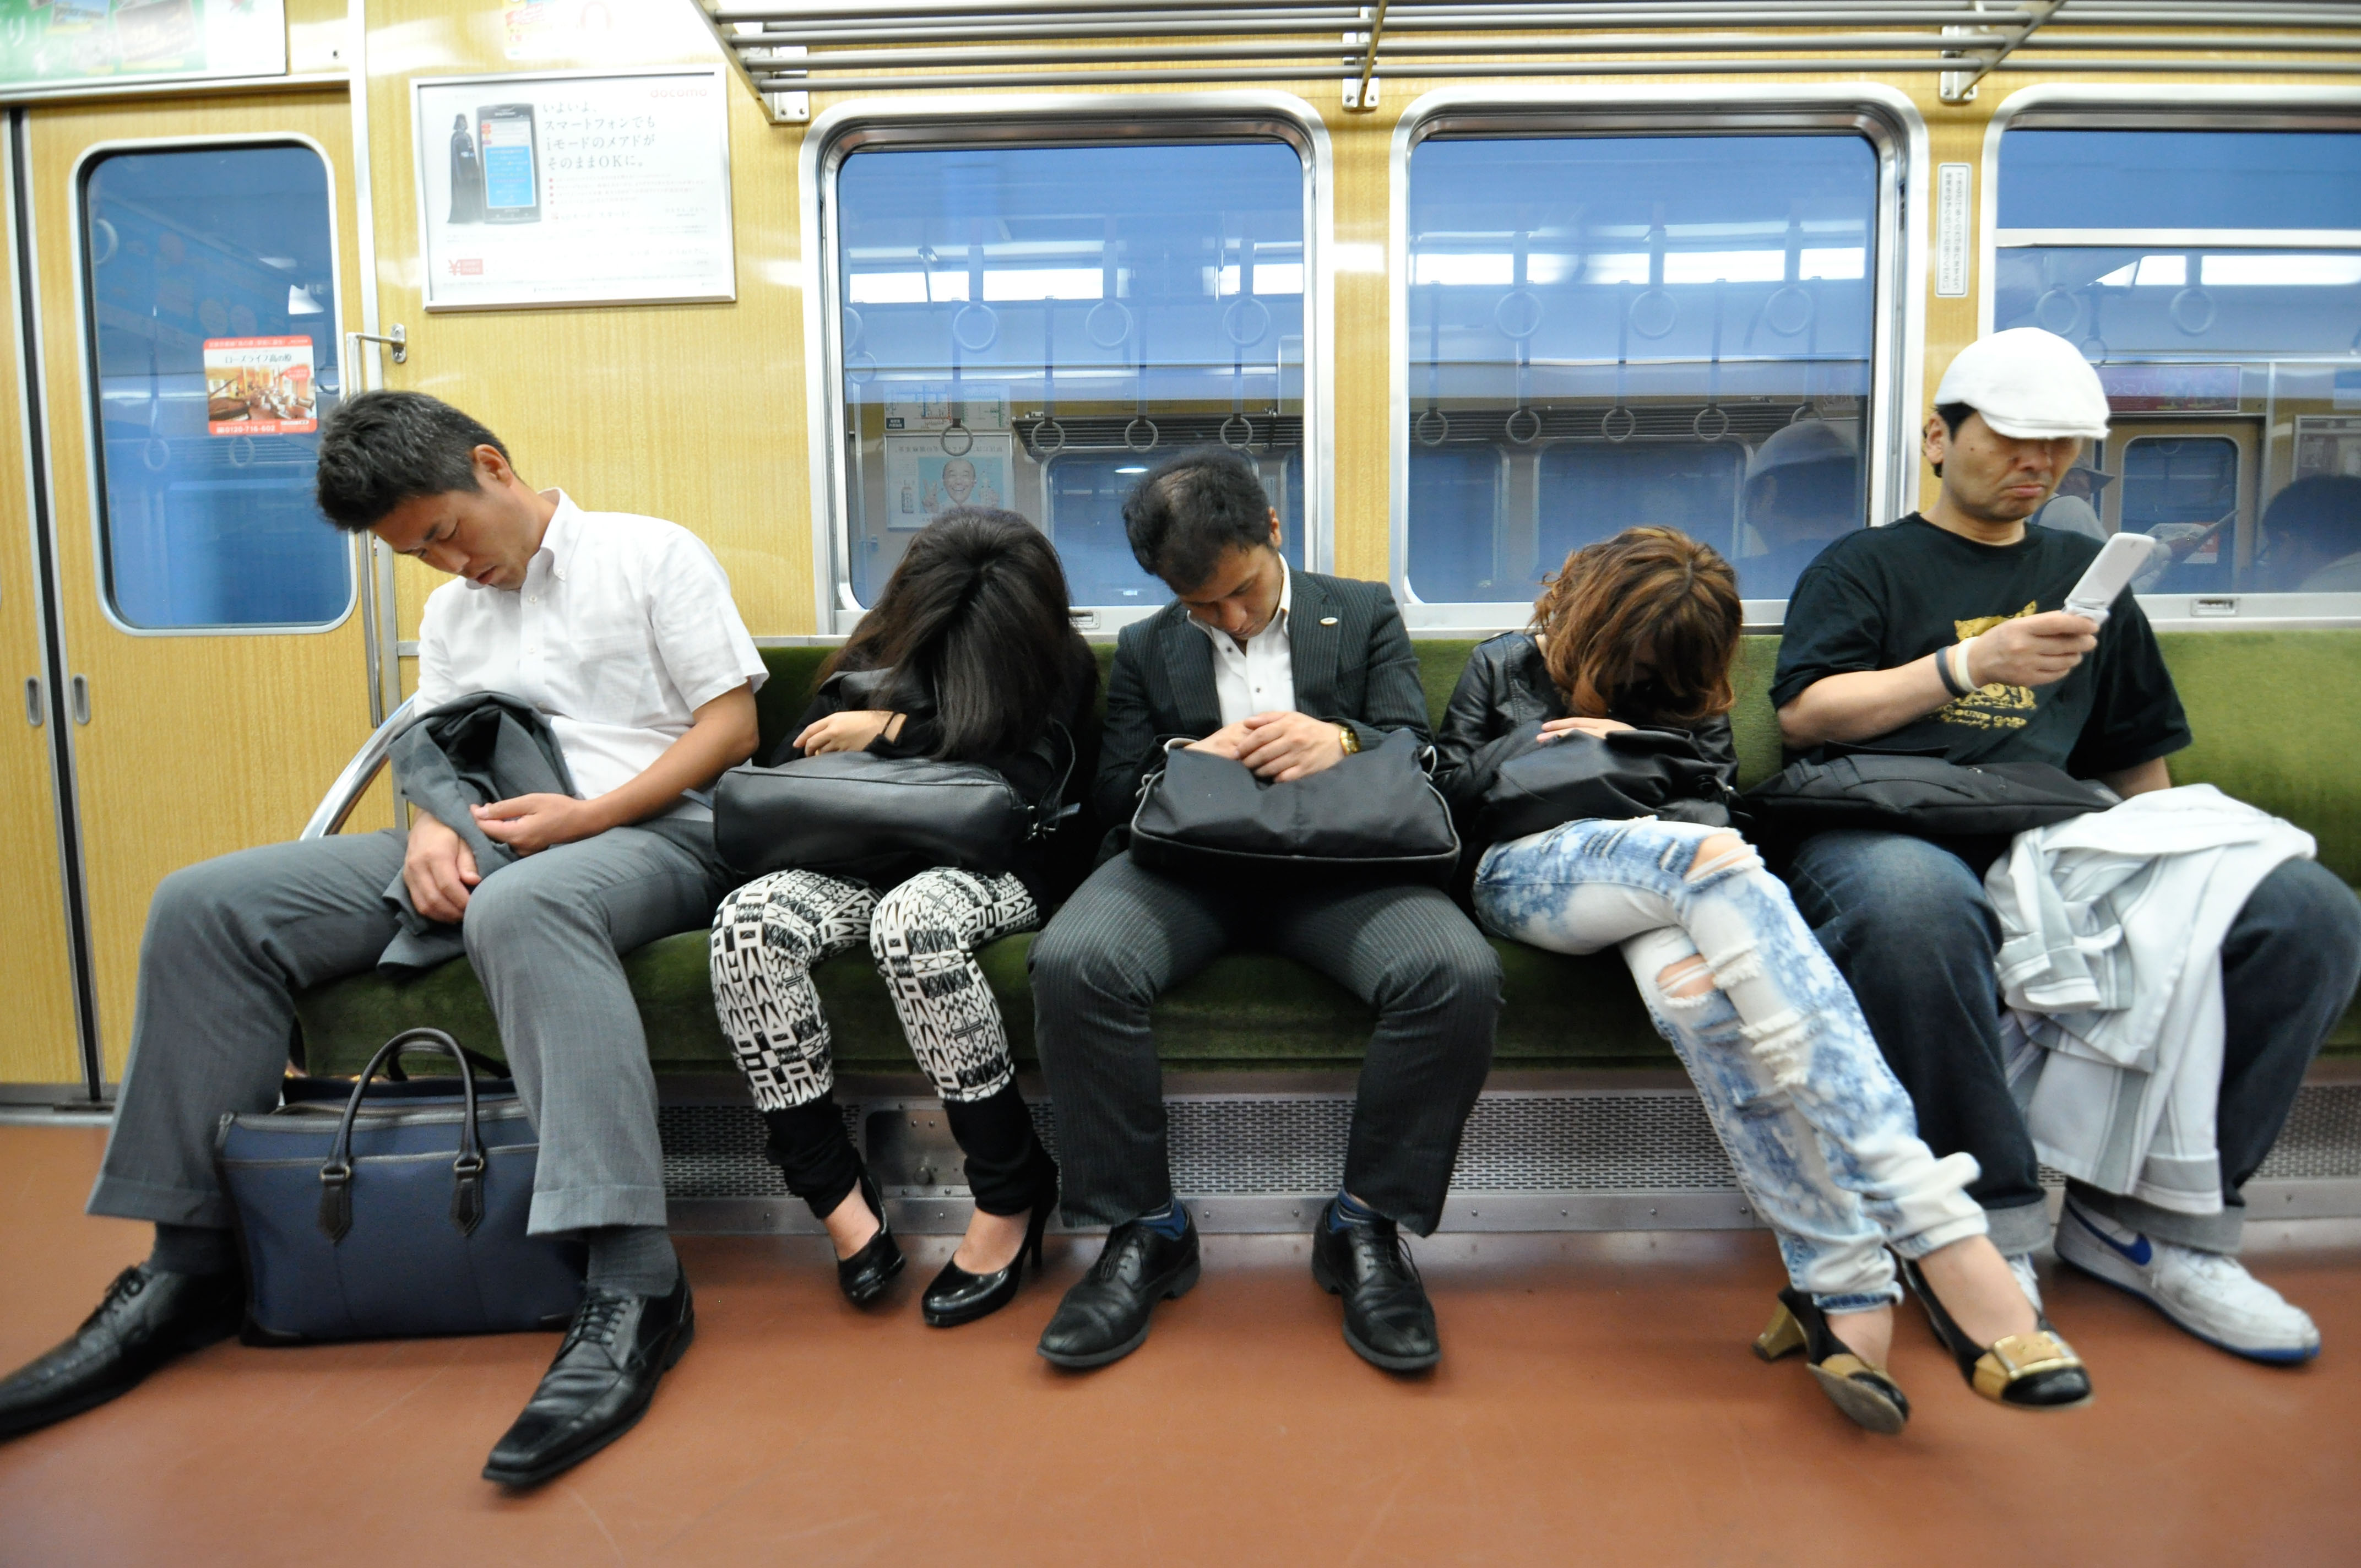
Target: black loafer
[(864, 1276), (1387, 1319), (146, 1318), (1104, 1317), (606, 1371)]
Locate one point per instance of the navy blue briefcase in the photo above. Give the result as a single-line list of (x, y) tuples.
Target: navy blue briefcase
[(371, 1211)]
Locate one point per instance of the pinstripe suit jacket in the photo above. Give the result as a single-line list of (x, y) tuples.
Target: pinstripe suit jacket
[(1353, 665)]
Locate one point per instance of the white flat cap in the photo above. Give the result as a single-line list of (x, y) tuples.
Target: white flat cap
[(2029, 383)]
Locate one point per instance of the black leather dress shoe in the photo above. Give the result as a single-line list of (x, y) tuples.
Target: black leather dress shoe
[(618, 1349), (1387, 1320), (146, 1318), (1104, 1317)]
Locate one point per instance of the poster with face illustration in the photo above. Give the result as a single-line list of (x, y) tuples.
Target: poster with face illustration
[(928, 475)]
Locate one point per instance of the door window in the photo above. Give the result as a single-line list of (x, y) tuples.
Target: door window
[(212, 323)]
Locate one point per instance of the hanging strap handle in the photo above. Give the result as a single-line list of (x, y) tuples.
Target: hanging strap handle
[(466, 1170)]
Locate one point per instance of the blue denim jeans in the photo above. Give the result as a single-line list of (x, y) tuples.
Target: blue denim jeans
[(1818, 1126)]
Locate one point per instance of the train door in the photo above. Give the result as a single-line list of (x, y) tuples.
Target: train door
[(2191, 483), (39, 1046), (196, 272)]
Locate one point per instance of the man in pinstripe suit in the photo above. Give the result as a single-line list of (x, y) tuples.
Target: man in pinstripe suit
[(1288, 673)]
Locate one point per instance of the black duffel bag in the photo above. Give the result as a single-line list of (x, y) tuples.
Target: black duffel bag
[(1623, 774), (1922, 794), (1375, 814), (856, 814), (394, 1209)]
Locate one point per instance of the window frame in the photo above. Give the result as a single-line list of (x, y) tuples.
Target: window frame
[(1882, 115), (86, 347), (2053, 106), (1048, 120)]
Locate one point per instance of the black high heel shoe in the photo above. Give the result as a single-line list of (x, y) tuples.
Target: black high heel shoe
[(1861, 1391), (2037, 1371), (957, 1297), (864, 1276)]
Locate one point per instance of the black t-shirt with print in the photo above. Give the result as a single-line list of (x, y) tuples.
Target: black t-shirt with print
[(1883, 597)]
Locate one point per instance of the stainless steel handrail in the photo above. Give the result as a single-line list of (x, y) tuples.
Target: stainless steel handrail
[(359, 774)]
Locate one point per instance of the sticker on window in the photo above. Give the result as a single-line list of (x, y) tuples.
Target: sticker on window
[(260, 385)]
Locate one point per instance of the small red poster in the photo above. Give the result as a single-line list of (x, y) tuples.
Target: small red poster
[(260, 385)]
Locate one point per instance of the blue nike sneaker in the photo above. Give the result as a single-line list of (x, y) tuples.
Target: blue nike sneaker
[(2208, 1293)]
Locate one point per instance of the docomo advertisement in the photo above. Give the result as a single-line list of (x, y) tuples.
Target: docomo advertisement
[(260, 385), (574, 188)]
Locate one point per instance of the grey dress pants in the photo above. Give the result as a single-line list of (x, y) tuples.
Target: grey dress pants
[(1129, 934), (230, 940)]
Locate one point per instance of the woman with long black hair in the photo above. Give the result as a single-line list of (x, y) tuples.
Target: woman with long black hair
[(970, 655)]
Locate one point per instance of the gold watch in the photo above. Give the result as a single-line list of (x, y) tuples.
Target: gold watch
[(1346, 739)]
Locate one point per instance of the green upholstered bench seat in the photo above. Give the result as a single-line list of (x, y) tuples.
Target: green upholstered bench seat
[(2278, 718)]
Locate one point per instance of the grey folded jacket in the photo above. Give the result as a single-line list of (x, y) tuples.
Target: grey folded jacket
[(471, 752)]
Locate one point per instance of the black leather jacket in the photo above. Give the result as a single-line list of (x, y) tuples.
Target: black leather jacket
[(1505, 686)]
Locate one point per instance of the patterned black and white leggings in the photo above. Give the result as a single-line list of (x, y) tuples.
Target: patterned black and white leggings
[(922, 935)]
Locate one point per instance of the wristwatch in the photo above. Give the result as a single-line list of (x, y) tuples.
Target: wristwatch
[(1346, 739)]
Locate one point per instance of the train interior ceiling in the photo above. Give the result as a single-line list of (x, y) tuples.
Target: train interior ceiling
[(1471, 285)]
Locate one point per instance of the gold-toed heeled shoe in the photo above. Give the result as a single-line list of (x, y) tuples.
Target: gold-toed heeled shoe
[(1861, 1391), (2037, 1371)]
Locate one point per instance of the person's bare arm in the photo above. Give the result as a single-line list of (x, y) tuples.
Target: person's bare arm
[(2150, 776), (1860, 705), (724, 734), (438, 868)]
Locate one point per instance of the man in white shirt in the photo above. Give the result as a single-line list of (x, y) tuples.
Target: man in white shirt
[(1288, 673), (620, 631)]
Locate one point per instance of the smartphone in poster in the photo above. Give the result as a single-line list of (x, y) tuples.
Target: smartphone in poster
[(511, 159), (260, 385), (590, 187), (923, 480)]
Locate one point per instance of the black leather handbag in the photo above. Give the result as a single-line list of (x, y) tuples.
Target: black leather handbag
[(1374, 814), (1616, 777), (1923, 794), (373, 1211), (859, 815)]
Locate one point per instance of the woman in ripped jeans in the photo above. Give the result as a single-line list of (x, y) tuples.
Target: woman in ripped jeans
[(1639, 630)]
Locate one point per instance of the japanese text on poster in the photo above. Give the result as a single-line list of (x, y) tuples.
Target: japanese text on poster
[(574, 189), (260, 385)]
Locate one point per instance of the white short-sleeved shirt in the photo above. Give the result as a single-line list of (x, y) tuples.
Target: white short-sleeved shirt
[(624, 630), (1260, 677)]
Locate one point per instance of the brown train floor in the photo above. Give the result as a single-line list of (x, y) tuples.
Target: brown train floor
[(1596, 1403)]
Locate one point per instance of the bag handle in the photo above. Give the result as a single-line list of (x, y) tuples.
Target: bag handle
[(466, 1170), (1053, 808)]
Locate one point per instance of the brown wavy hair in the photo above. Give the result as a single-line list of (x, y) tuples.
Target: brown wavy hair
[(1652, 588)]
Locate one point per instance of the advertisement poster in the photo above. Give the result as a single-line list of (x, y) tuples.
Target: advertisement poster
[(2327, 446), (922, 479), (260, 385), (69, 42), (583, 188)]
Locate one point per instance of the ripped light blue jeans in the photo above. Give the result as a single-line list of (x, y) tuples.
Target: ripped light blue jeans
[(1820, 1130)]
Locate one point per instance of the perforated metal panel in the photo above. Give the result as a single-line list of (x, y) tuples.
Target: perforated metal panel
[(1606, 1142)]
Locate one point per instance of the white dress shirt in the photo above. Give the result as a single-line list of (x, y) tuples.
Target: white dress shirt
[(624, 627), (1260, 679)]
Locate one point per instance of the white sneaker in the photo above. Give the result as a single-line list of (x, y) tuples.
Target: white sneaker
[(2021, 1264), (2209, 1294)]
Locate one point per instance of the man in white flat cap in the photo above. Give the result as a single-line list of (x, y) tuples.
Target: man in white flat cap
[(1946, 632)]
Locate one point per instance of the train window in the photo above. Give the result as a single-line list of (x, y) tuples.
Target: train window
[(1606, 330), (2214, 278), (210, 288), (1034, 326)]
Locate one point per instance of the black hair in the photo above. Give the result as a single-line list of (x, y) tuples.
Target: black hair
[(1953, 415), (1187, 510), (380, 449), (2322, 509), (976, 616)]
